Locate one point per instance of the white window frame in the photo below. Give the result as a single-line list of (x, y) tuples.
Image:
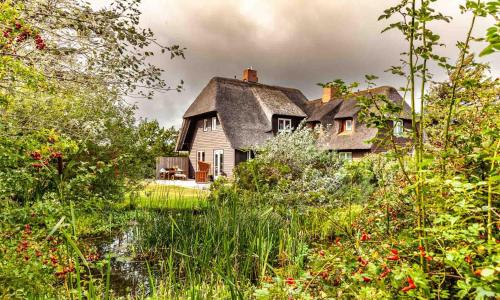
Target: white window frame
[(398, 128), (215, 120), (345, 156), (349, 124), (218, 163), (285, 128), (249, 155), (205, 125), (200, 156)]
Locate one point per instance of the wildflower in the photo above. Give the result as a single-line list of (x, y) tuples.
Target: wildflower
[(366, 279), (18, 25), (38, 253), (290, 281), (365, 236), (26, 258), (337, 241), (477, 272), (321, 253), (411, 285), (428, 258)]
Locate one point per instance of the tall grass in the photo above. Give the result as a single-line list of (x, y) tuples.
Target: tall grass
[(197, 246), (230, 242)]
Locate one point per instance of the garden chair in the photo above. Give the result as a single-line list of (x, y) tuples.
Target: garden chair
[(201, 176)]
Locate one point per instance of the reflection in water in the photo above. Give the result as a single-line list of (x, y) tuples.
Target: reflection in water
[(129, 272)]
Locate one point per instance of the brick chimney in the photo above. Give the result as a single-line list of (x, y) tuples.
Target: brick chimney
[(250, 75), (329, 93)]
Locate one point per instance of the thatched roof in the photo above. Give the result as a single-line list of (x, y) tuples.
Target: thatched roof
[(350, 108), (317, 110), (245, 109), (358, 140)]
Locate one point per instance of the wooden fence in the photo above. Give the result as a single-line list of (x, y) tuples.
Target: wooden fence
[(181, 162)]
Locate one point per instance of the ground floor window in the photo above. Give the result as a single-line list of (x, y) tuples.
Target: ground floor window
[(200, 156), (218, 163), (345, 155), (250, 155)]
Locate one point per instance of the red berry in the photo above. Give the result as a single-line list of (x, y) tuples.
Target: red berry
[(362, 261), (385, 272), (411, 286), (468, 259), (290, 281), (365, 237), (324, 275), (393, 257), (36, 155)]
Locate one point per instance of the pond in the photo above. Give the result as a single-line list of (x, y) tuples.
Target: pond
[(129, 274)]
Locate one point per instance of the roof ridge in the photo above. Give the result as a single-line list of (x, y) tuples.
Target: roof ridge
[(239, 81)]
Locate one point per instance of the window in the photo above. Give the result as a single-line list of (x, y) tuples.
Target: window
[(398, 128), (218, 163), (345, 155), (249, 155), (200, 156), (215, 123), (205, 125), (284, 125), (346, 125)]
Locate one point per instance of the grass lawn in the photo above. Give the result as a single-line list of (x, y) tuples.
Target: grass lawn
[(167, 196)]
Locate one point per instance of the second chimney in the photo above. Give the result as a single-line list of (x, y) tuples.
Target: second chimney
[(329, 93), (250, 75)]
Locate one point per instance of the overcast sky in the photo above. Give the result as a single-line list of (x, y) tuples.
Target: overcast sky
[(293, 43)]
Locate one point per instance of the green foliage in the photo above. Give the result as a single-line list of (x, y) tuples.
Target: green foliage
[(290, 169), (154, 141)]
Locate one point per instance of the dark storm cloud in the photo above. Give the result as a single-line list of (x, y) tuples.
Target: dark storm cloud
[(295, 43)]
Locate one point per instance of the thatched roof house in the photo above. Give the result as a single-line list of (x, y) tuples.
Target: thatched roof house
[(230, 116)]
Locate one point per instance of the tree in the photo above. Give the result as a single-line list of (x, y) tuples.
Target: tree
[(66, 73), (155, 141)]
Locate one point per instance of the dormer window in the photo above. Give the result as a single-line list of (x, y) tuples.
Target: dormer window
[(398, 128), (346, 126), (215, 123), (284, 125)]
